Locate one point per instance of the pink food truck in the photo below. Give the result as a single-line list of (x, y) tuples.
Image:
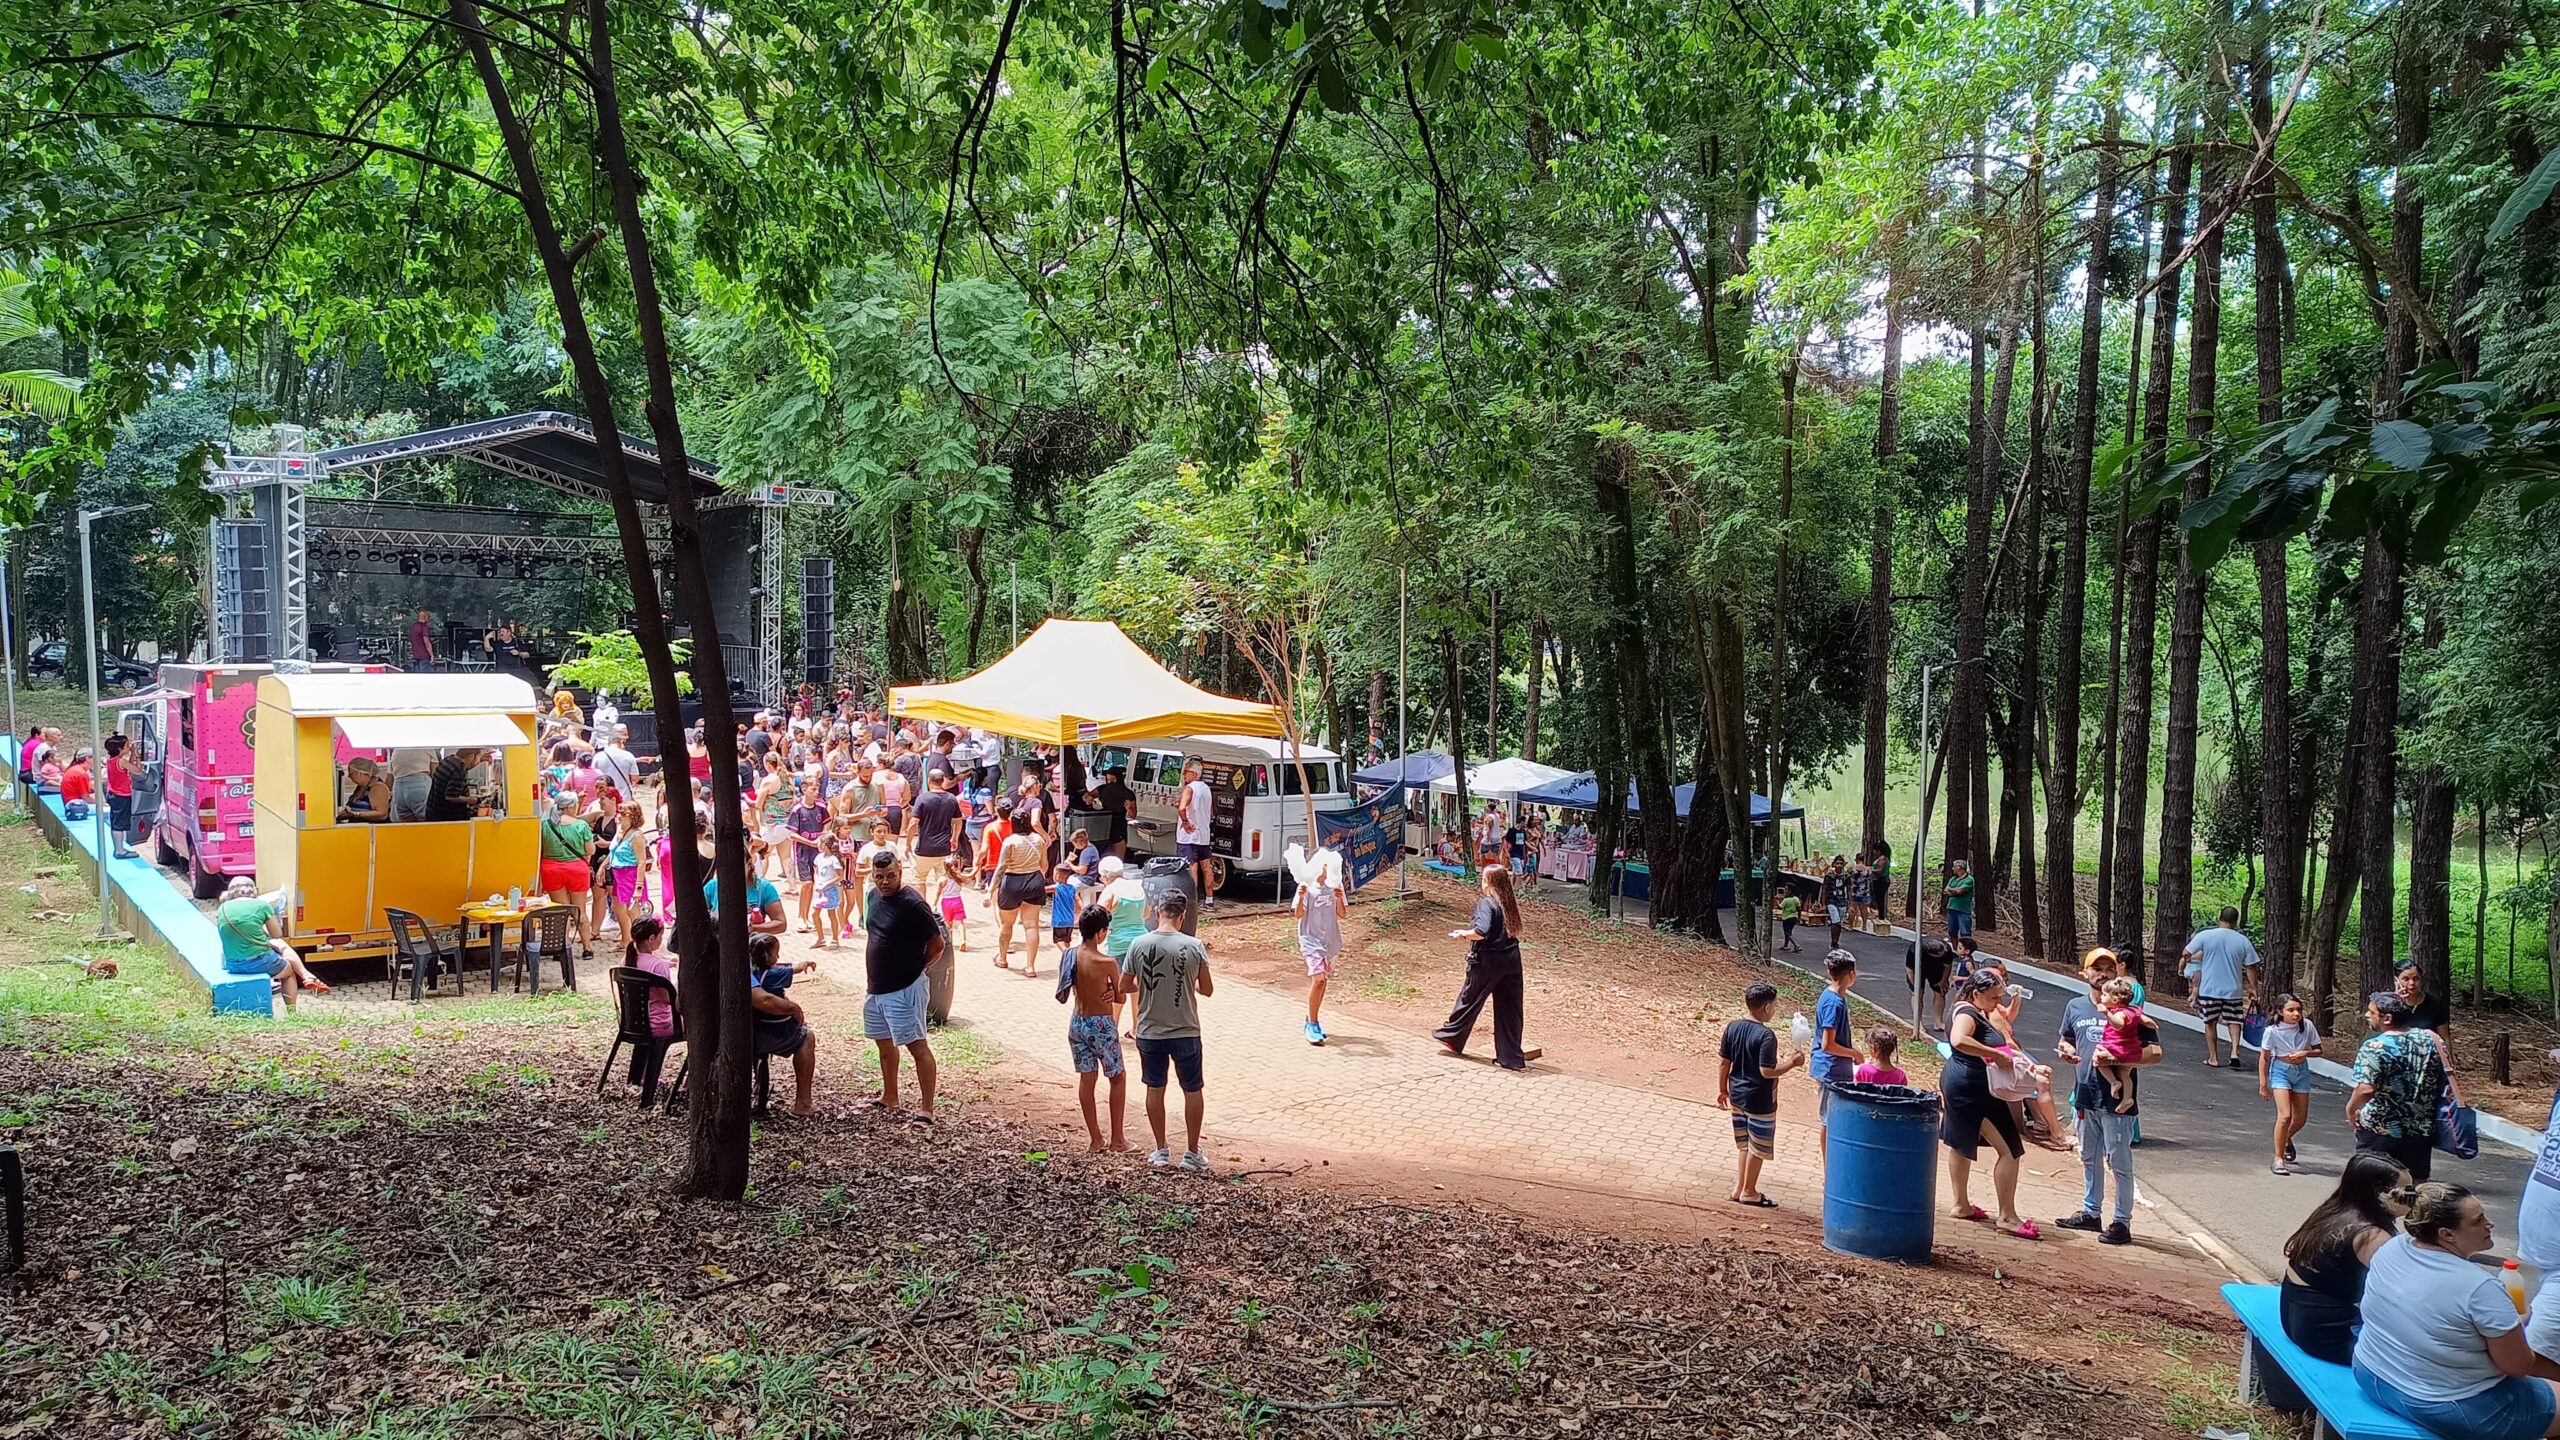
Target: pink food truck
[(208, 724)]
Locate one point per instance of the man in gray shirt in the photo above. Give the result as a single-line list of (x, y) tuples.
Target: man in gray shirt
[(1171, 973), (2220, 960)]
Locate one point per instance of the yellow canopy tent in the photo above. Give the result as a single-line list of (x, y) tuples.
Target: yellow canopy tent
[(1076, 681)]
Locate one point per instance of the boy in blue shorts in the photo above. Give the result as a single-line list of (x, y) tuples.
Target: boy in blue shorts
[(1747, 1072), (1093, 1035)]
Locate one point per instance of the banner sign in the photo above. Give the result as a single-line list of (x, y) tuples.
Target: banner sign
[(1369, 836)]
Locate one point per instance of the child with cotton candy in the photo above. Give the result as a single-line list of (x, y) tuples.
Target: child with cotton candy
[(1322, 897)]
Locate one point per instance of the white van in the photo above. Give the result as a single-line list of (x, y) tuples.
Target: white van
[(1258, 807)]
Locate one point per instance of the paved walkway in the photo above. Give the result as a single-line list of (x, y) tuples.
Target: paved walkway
[(1381, 1091), (2205, 1133)]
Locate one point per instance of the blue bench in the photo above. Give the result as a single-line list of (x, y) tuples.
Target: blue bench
[(154, 907), (2338, 1404), (1454, 872)]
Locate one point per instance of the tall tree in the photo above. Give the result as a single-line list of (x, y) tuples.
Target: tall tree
[(2175, 917), (2070, 621), (1879, 618), (2135, 713), (2279, 779)]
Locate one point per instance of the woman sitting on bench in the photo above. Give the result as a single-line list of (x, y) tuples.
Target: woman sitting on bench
[(2442, 1344), (2324, 1274)]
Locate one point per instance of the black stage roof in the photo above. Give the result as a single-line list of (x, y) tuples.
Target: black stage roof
[(543, 445)]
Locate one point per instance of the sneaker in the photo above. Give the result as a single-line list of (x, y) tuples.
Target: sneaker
[(2289, 1156), (2116, 1233), (1195, 1162), (2237, 1063), (1315, 1033), (1160, 1157), (2081, 1221)]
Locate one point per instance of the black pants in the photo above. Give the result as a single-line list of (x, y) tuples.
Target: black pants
[(2416, 1153), (1501, 986)]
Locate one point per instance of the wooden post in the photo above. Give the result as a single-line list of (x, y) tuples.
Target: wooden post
[(2499, 1058)]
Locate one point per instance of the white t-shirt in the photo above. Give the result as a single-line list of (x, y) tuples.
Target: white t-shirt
[(828, 870), (2428, 1317), (2538, 1211), (1195, 829)]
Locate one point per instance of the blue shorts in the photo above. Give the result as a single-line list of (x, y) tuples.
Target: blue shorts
[(898, 1016), (1194, 854), (1183, 1054), (2516, 1408), (2285, 1075), (1093, 1042), (829, 897), (1959, 924), (266, 962)]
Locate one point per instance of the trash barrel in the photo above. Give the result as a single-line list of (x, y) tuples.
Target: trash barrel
[(1165, 874), (1879, 1192)]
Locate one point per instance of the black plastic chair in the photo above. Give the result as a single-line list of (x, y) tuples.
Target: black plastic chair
[(633, 988), (415, 949), (546, 932)]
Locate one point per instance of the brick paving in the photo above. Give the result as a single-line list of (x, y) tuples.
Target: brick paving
[(1389, 1093)]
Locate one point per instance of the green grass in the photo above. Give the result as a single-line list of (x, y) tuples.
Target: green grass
[(1833, 807)]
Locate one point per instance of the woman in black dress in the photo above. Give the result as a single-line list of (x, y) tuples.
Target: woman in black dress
[(2324, 1261), (1493, 973), (1972, 1114)]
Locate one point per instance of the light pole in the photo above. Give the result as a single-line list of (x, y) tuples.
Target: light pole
[(107, 843), (1403, 593)]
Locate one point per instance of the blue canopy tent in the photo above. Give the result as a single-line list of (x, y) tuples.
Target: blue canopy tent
[(1418, 769), (1582, 792)]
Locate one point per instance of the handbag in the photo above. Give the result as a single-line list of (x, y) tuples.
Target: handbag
[(2458, 1130), (2253, 1030)]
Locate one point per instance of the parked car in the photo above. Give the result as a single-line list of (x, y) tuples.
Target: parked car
[(48, 658)]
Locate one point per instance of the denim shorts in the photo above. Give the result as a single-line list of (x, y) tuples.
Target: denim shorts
[(898, 1016), (2516, 1408), (266, 962), (2289, 1075), (1182, 1053)]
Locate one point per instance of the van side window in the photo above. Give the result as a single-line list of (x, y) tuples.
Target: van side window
[(1143, 770), (187, 723)]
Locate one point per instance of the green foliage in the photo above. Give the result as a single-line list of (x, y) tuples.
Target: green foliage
[(610, 661)]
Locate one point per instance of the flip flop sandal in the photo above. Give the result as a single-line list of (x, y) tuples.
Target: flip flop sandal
[(2025, 1230), (1973, 1212), (1761, 1202), (316, 987)]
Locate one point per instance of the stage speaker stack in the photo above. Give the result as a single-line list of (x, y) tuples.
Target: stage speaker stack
[(818, 621)]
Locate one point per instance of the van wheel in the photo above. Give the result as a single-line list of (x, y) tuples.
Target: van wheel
[(208, 885), (1217, 873), (162, 853)]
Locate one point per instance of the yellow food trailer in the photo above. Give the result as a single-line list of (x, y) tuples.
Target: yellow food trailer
[(339, 875)]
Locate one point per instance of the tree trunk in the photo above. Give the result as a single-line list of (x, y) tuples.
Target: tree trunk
[(973, 544), (1493, 673), (1453, 683), (1753, 919), (2479, 901), (1640, 712), (1537, 683), (2107, 919), (1967, 729), (2174, 918), (2379, 626), (2280, 793), (715, 1003), (1880, 570), (2134, 713), (2070, 621), (1988, 857), (1377, 717)]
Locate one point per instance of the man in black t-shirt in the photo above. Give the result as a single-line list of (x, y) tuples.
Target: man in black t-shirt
[(449, 794), (933, 825), (902, 938), (1119, 802)]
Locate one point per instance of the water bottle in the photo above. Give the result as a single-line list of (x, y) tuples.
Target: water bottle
[(2021, 992), (515, 897), (2513, 1275)]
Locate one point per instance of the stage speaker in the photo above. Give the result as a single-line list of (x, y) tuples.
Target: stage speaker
[(818, 621)]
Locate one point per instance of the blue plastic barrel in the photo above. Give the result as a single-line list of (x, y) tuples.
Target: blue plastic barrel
[(1879, 1192)]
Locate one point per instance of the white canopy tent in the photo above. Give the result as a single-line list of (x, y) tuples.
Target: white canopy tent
[(1501, 780)]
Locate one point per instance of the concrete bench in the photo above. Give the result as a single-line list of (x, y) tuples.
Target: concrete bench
[(2338, 1405)]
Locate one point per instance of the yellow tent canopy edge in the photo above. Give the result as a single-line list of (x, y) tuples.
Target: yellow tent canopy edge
[(1082, 681)]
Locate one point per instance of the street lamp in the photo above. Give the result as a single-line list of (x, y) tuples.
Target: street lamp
[(1920, 843), (107, 844)]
